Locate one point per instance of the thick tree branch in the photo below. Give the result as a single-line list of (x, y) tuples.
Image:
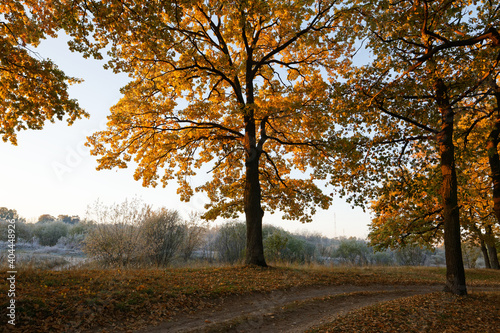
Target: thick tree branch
[(406, 119)]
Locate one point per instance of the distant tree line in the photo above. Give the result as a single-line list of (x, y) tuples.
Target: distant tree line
[(131, 233)]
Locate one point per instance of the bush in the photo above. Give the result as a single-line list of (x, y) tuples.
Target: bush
[(385, 258), (72, 242), (115, 244), (130, 233), (275, 245), (298, 250), (48, 233), (81, 228), (194, 234), (164, 233), (353, 251), (24, 231), (117, 238)]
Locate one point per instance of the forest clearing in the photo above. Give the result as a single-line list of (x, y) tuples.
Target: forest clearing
[(254, 107)]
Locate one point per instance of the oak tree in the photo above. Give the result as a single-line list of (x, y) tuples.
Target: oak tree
[(480, 176), (32, 89), (429, 59), (407, 209), (494, 163), (240, 86)]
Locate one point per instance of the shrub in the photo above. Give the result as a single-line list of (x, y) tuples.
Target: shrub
[(275, 245), (4, 230), (384, 258), (49, 233), (194, 234), (72, 242), (117, 237), (353, 251), (164, 233), (115, 244), (24, 231), (298, 250), (81, 228)]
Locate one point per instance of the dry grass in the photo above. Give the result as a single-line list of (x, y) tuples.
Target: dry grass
[(432, 313), (79, 300)]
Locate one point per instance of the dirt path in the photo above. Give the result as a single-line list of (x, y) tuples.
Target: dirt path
[(293, 310)]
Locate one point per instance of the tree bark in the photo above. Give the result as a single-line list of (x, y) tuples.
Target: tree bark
[(493, 255), (252, 195), (455, 273), (486, 257), (492, 250), (493, 157), (253, 211), (494, 161)]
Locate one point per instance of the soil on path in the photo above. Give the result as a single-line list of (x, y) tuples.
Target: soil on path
[(293, 310)]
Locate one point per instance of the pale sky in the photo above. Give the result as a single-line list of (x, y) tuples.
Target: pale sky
[(51, 172)]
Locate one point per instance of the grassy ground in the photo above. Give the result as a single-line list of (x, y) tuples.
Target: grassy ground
[(436, 312), (76, 300)]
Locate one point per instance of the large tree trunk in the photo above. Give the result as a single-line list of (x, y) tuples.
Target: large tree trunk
[(253, 212), (252, 194), (455, 273), (493, 158)]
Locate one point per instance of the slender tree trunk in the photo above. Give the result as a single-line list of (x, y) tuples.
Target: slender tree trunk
[(493, 255), (492, 250), (484, 249), (485, 255), (455, 273)]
